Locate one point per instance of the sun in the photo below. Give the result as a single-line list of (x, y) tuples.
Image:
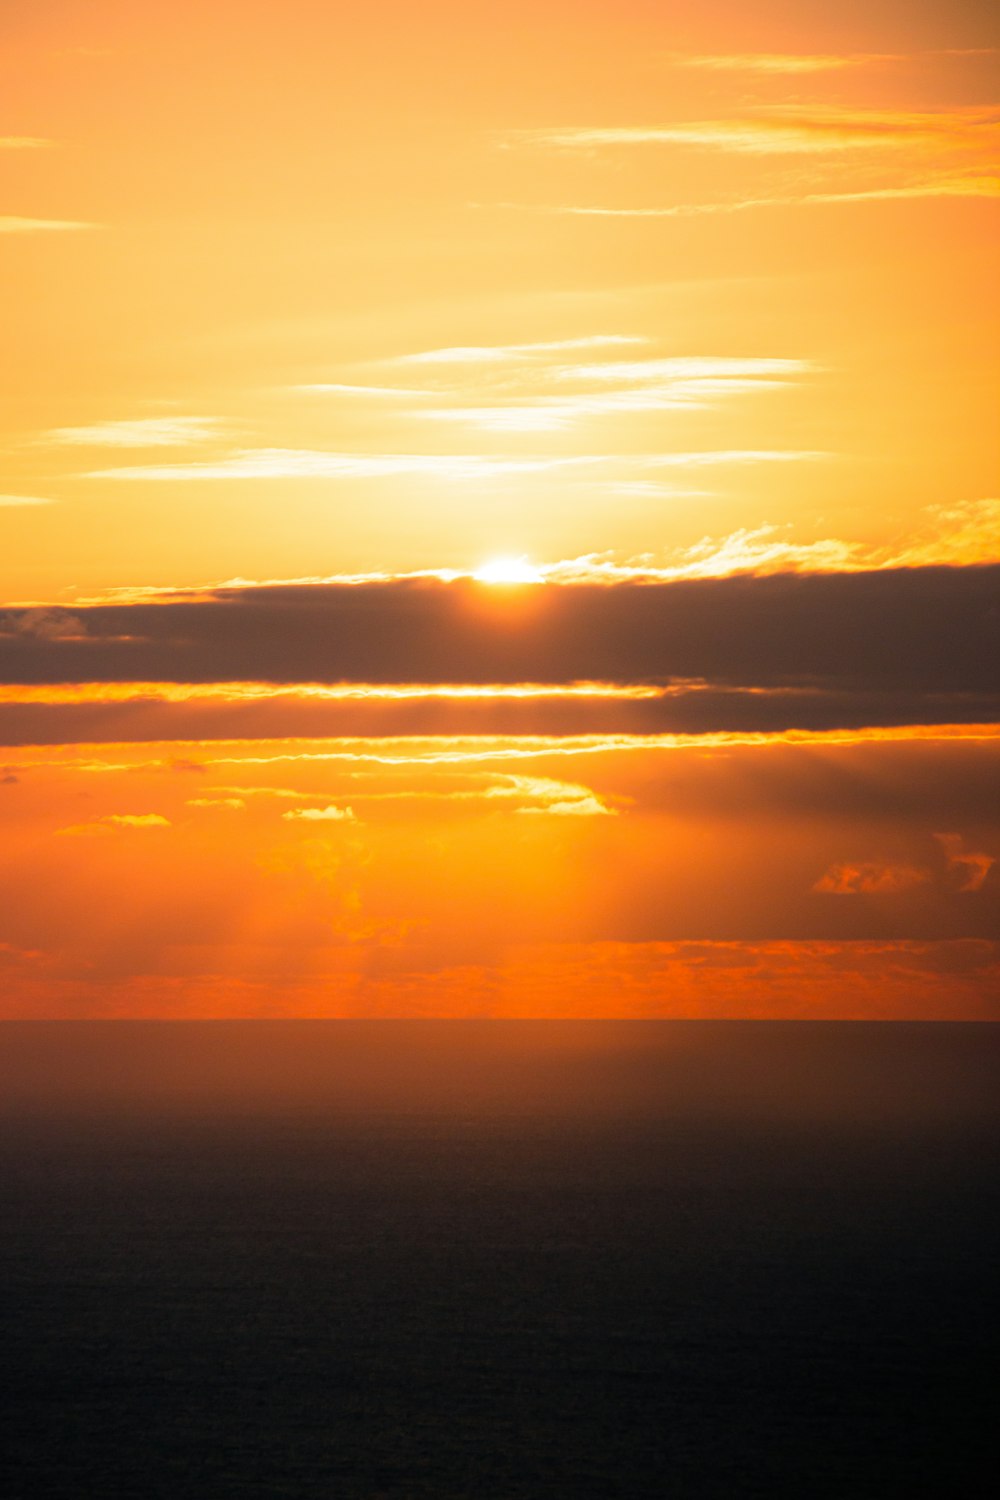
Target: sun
[(508, 570)]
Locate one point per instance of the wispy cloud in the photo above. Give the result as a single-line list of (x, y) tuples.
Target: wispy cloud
[(142, 432), (965, 870), (331, 814), (519, 792), (463, 354), (780, 62), (931, 187), (957, 535), (804, 62), (684, 368), (710, 458), (969, 867), (760, 551), (377, 392), (784, 128), (291, 463), (297, 463), (577, 807), (117, 820), (967, 532), (544, 794), (629, 386), (24, 500), (870, 878), (14, 224), (23, 142)]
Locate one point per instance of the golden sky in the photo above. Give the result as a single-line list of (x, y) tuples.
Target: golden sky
[(499, 509)]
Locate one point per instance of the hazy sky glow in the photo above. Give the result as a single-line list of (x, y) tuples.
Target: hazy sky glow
[(499, 510)]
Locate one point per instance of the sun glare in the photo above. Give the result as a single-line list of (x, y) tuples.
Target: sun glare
[(508, 570)]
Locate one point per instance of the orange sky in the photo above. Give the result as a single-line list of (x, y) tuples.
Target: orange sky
[(689, 315)]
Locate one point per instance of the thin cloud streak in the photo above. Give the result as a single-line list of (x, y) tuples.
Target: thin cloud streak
[(686, 368), (552, 413), (378, 392), (297, 463), (782, 62), (330, 814), (463, 354), (516, 394), (938, 187), (701, 713), (141, 432), (792, 129), (291, 463), (14, 224), (821, 62)]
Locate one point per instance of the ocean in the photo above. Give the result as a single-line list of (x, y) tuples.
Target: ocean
[(397, 1260)]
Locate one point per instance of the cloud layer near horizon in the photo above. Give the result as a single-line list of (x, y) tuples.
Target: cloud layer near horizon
[(922, 633)]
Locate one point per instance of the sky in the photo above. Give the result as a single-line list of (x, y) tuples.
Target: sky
[(499, 511)]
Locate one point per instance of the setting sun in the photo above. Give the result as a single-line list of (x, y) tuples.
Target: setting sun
[(508, 570)]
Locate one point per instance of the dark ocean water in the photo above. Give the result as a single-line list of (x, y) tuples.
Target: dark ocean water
[(489, 1259)]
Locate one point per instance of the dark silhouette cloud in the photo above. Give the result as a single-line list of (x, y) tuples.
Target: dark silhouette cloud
[(700, 711), (868, 646)]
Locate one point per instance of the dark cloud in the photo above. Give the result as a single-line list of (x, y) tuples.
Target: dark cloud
[(700, 711), (899, 632)]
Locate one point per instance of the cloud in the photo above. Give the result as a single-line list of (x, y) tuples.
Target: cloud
[(792, 129), (967, 871), (143, 432), (45, 624), (626, 386), (527, 387), (934, 153), (464, 354), (793, 63), (230, 802), (762, 550), (22, 142), (870, 878), (686, 368), (521, 793), (943, 980), (543, 794), (580, 807), (967, 532), (762, 652), (288, 463), (675, 714), (970, 868), (117, 820), (12, 224), (294, 463), (379, 392), (932, 187), (782, 62), (331, 814), (138, 820), (24, 500)]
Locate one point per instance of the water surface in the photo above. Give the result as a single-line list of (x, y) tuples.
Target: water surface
[(498, 1259)]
